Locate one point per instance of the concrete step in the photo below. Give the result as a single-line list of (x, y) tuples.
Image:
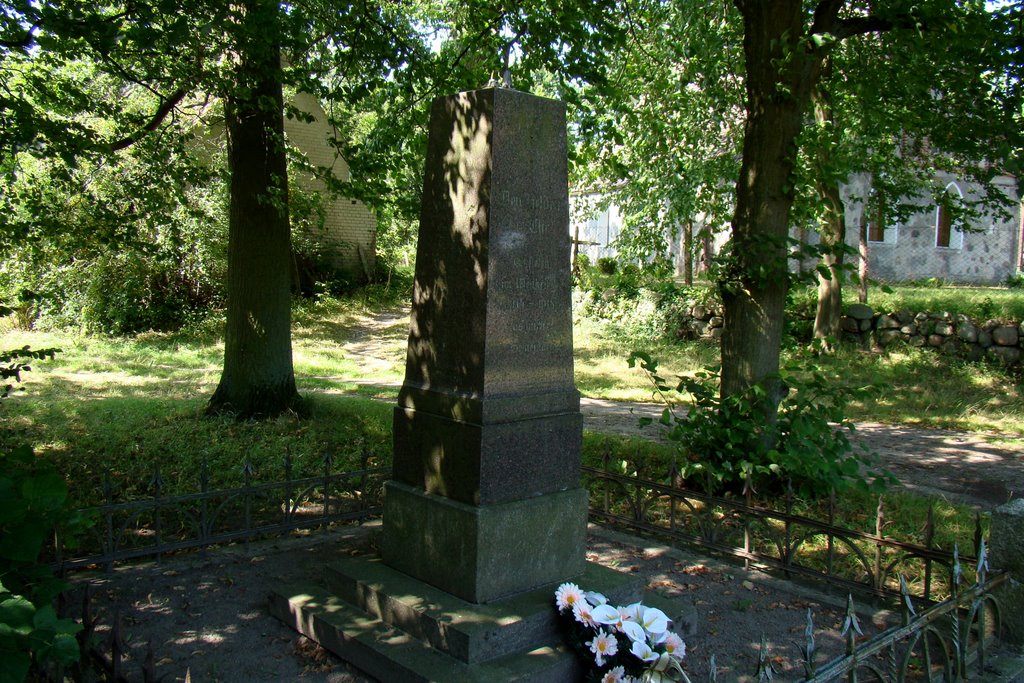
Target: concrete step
[(389, 654), (397, 628)]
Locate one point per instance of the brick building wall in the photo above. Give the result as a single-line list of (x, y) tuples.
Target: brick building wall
[(986, 252), (349, 232)]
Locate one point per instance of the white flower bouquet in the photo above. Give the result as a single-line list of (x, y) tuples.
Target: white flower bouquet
[(629, 644)]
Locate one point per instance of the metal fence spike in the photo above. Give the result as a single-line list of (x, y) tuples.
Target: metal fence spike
[(979, 536), (958, 572), (809, 647), (905, 601), (983, 567), (850, 622), (765, 669), (156, 482), (880, 516)]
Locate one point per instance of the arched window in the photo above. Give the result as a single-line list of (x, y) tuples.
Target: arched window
[(949, 232)]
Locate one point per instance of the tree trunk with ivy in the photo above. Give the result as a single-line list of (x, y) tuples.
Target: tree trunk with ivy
[(784, 48), (258, 379)]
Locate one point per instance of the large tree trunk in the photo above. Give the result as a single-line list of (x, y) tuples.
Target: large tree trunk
[(258, 379), (833, 225), (754, 293)]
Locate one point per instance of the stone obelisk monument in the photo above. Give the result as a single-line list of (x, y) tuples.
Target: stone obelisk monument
[(484, 514), (485, 499)]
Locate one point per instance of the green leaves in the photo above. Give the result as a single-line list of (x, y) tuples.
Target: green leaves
[(16, 616), (34, 498), (728, 443)]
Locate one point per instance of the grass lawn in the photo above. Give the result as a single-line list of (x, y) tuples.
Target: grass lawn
[(978, 303), (124, 405)]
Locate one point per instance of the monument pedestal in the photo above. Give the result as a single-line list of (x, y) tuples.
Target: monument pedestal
[(399, 629), (467, 550)]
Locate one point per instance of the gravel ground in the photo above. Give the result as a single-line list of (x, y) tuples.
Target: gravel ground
[(205, 614)]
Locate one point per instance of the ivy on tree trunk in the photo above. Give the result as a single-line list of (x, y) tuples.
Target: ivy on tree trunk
[(784, 50)]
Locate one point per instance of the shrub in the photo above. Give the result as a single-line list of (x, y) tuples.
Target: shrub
[(728, 444), (35, 505), (124, 293), (607, 265)]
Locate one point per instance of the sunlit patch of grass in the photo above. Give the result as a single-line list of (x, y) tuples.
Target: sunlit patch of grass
[(128, 435), (921, 388), (978, 303), (602, 370)]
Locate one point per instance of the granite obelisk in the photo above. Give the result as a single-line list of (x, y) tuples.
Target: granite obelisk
[(485, 499)]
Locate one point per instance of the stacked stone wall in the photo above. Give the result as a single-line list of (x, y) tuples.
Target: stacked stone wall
[(701, 321), (949, 333)]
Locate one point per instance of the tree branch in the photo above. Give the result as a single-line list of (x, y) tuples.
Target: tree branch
[(825, 16), (847, 28), (24, 41), (158, 117)]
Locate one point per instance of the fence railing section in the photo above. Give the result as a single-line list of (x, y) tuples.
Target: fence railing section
[(800, 546), (948, 641), (941, 642), (167, 523)]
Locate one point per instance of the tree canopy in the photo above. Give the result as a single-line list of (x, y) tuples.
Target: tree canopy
[(747, 114)]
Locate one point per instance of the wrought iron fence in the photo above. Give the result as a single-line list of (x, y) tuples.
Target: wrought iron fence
[(941, 642), (166, 523), (772, 539), (944, 642)]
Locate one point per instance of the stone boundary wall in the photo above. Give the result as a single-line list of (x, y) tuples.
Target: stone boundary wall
[(949, 333), (703, 321)]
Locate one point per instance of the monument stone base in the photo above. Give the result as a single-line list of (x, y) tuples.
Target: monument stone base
[(399, 629), (467, 550)]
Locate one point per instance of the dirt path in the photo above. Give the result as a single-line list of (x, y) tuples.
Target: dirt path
[(977, 469)]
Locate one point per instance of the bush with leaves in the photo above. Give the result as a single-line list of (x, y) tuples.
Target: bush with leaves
[(35, 505), (108, 248), (32, 636), (727, 445)]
